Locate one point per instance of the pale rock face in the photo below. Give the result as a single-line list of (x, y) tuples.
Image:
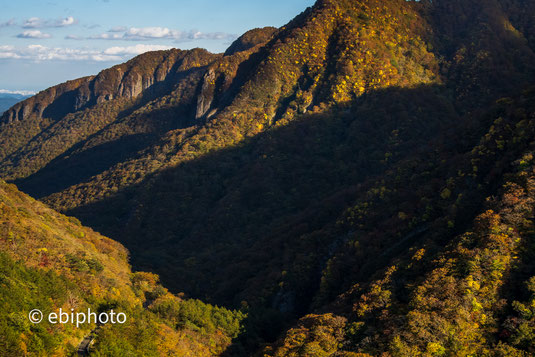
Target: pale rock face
[(81, 100), (37, 105), (108, 85), (129, 81), (204, 101)]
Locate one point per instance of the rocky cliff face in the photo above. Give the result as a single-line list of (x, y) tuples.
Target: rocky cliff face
[(150, 73), (135, 101), (224, 78), (37, 104)]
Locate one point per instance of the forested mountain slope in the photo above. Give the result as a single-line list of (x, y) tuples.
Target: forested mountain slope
[(443, 283), (308, 166), (49, 261)]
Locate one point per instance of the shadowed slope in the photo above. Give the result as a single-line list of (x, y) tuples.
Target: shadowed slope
[(292, 176)]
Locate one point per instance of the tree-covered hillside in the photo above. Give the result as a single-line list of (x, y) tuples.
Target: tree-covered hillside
[(49, 261), (358, 180)]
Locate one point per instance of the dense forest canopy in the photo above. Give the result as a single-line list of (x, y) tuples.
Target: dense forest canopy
[(359, 181)]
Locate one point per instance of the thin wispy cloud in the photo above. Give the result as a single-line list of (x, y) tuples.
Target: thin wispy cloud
[(36, 22), (20, 92), (197, 35), (33, 22), (34, 34), (156, 33), (118, 29), (9, 55), (104, 36), (133, 50), (8, 23), (39, 53), (8, 52)]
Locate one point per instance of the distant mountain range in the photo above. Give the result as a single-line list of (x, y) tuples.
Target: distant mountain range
[(7, 100), (359, 182)]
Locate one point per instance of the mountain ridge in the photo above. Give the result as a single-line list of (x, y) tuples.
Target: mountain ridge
[(302, 170)]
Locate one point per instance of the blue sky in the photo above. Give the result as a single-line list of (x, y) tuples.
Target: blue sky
[(43, 42)]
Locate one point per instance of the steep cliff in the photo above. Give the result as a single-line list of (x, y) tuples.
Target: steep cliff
[(156, 72), (305, 168)]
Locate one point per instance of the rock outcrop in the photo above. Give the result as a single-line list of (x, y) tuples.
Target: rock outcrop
[(152, 71)]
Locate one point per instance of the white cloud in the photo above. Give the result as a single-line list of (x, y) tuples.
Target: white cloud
[(21, 92), (39, 53), (43, 53), (134, 50), (33, 34), (106, 36), (196, 35), (33, 22), (135, 33), (6, 55), (68, 21), (158, 33), (8, 52), (36, 22)]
